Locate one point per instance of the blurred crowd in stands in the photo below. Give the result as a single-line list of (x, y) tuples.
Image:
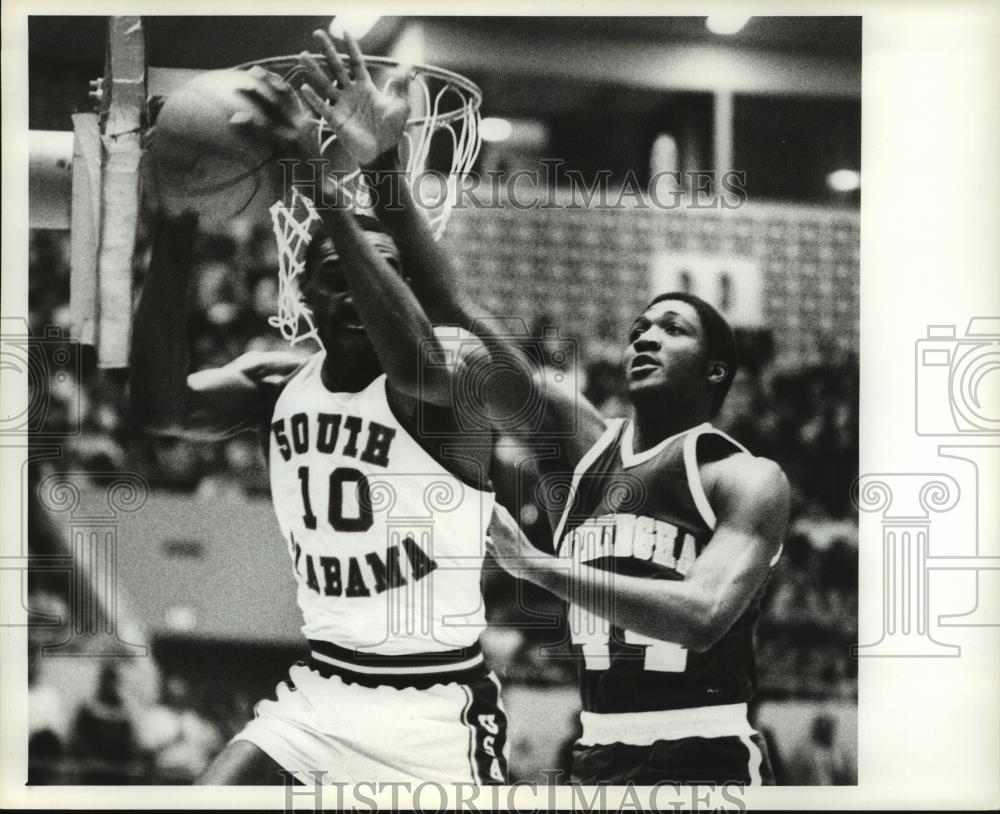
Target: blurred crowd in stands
[(136, 725), (106, 741), (805, 418)]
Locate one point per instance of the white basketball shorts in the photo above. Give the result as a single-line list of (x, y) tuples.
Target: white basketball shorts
[(453, 732)]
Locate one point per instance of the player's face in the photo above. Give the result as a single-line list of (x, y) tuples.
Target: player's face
[(665, 348), (326, 292)]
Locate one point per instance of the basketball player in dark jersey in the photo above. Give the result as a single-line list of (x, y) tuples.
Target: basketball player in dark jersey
[(663, 547), (662, 552), (419, 703)]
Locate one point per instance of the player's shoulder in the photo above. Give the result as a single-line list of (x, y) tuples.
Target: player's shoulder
[(747, 478)]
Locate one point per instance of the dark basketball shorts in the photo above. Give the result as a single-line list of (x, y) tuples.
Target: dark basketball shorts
[(641, 749), (714, 761)]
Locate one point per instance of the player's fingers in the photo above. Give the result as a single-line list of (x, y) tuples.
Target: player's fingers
[(276, 103), (358, 67), (315, 73), (316, 103), (266, 110), (277, 83), (320, 107), (332, 57), (502, 517), (330, 92), (252, 125)]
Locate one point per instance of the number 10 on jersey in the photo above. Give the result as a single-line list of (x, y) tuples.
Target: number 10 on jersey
[(349, 500)]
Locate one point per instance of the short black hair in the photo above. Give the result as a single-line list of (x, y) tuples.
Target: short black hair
[(720, 341)]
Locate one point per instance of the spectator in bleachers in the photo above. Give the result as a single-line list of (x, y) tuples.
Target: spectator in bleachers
[(820, 760), (179, 741), (103, 738), (48, 724)]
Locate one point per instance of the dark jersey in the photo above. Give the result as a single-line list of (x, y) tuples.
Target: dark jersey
[(647, 515)]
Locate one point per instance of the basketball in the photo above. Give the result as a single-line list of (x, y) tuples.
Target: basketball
[(199, 162)]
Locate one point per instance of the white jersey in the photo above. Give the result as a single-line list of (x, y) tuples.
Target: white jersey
[(386, 544)]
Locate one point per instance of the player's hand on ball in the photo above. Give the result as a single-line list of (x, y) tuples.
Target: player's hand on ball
[(508, 544), (276, 116), (367, 121)]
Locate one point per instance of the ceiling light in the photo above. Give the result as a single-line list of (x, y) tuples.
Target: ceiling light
[(357, 24), (494, 129), (726, 23), (844, 180)]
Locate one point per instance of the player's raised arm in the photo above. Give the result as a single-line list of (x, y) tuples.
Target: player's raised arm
[(433, 277), (401, 334), (164, 398), (750, 498), (399, 330)]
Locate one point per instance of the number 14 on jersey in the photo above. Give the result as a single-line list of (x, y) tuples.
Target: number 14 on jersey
[(593, 634)]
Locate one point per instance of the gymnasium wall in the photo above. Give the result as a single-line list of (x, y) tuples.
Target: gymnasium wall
[(591, 271)]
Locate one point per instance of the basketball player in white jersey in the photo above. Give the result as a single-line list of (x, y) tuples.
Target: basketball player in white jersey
[(385, 527)]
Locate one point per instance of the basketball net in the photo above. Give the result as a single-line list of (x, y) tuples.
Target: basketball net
[(448, 107), (292, 230)]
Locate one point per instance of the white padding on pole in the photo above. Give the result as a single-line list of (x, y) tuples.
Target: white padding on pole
[(120, 200), (86, 222)]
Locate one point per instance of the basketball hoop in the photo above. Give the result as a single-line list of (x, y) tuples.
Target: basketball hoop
[(444, 103)]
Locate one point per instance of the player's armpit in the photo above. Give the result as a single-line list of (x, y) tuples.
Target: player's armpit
[(750, 499)]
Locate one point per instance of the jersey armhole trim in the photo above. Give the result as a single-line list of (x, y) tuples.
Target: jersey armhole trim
[(614, 425), (696, 487)]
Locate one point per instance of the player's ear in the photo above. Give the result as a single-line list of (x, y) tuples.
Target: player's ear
[(717, 372)]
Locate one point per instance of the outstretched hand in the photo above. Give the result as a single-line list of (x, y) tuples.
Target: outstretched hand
[(366, 120), (277, 116), (509, 545)]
